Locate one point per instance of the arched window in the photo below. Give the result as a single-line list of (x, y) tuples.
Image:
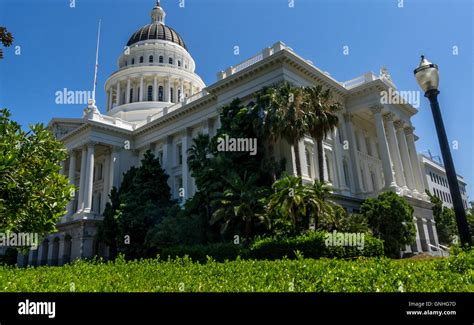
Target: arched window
[(131, 95), (141, 59), (160, 59), (172, 95), (160, 93), (150, 59), (133, 60), (150, 93), (179, 63), (138, 94), (170, 60)]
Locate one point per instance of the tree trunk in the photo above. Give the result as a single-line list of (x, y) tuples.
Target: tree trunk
[(296, 149), (321, 160)]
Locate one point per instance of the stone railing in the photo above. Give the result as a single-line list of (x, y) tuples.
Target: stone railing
[(278, 46), (169, 109), (369, 76), (110, 120)]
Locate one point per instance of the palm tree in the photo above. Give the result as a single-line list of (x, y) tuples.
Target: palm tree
[(300, 204), (321, 112), (289, 202), (322, 208), (240, 206), (285, 116)]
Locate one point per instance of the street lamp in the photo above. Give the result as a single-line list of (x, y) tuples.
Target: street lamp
[(427, 77)]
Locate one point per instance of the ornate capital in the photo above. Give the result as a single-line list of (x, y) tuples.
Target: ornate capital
[(399, 124), (376, 109), (389, 117), (409, 130), (348, 116)]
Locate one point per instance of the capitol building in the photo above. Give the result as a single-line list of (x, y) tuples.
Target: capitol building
[(156, 101)]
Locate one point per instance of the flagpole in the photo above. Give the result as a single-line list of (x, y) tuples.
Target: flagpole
[(96, 63)]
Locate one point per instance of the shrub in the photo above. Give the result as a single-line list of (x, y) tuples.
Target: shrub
[(391, 218), (312, 245), (218, 251), (301, 275)]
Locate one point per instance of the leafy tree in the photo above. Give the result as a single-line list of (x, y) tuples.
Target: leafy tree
[(390, 218), (445, 220), (285, 116), (321, 112), (33, 194), (142, 201), (293, 205), (108, 229), (5, 37), (240, 207), (248, 174)]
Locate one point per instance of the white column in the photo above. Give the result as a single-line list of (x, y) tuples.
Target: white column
[(185, 144), (127, 95), (117, 99), (365, 165), (140, 99), (167, 158), (181, 87), (89, 178), (114, 168), (175, 92), (155, 89), (338, 156), (417, 240), (395, 152), (167, 96), (410, 137), (383, 148), (106, 184), (72, 176), (303, 162), (110, 99), (402, 143), (191, 88), (82, 179), (354, 157), (434, 231), (426, 234)]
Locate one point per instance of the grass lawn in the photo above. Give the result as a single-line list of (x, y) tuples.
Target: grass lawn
[(454, 274)]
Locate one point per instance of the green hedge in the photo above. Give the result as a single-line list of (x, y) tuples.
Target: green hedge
[(301, 275), (218, 251), (311, 245)]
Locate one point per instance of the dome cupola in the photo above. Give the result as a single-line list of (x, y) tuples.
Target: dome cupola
[(156, 30)]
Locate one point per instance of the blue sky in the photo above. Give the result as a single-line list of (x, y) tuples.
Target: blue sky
[(57, 46)]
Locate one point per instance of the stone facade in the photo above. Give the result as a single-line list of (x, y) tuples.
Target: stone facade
[(372, 150)]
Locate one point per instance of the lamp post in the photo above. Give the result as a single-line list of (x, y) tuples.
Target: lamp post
[(427, 77)]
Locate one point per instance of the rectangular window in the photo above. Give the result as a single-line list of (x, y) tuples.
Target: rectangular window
[(99, 172), (160, 157), (179, 154), (309, 163)]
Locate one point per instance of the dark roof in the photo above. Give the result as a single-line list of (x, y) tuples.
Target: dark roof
[(156, 31)]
